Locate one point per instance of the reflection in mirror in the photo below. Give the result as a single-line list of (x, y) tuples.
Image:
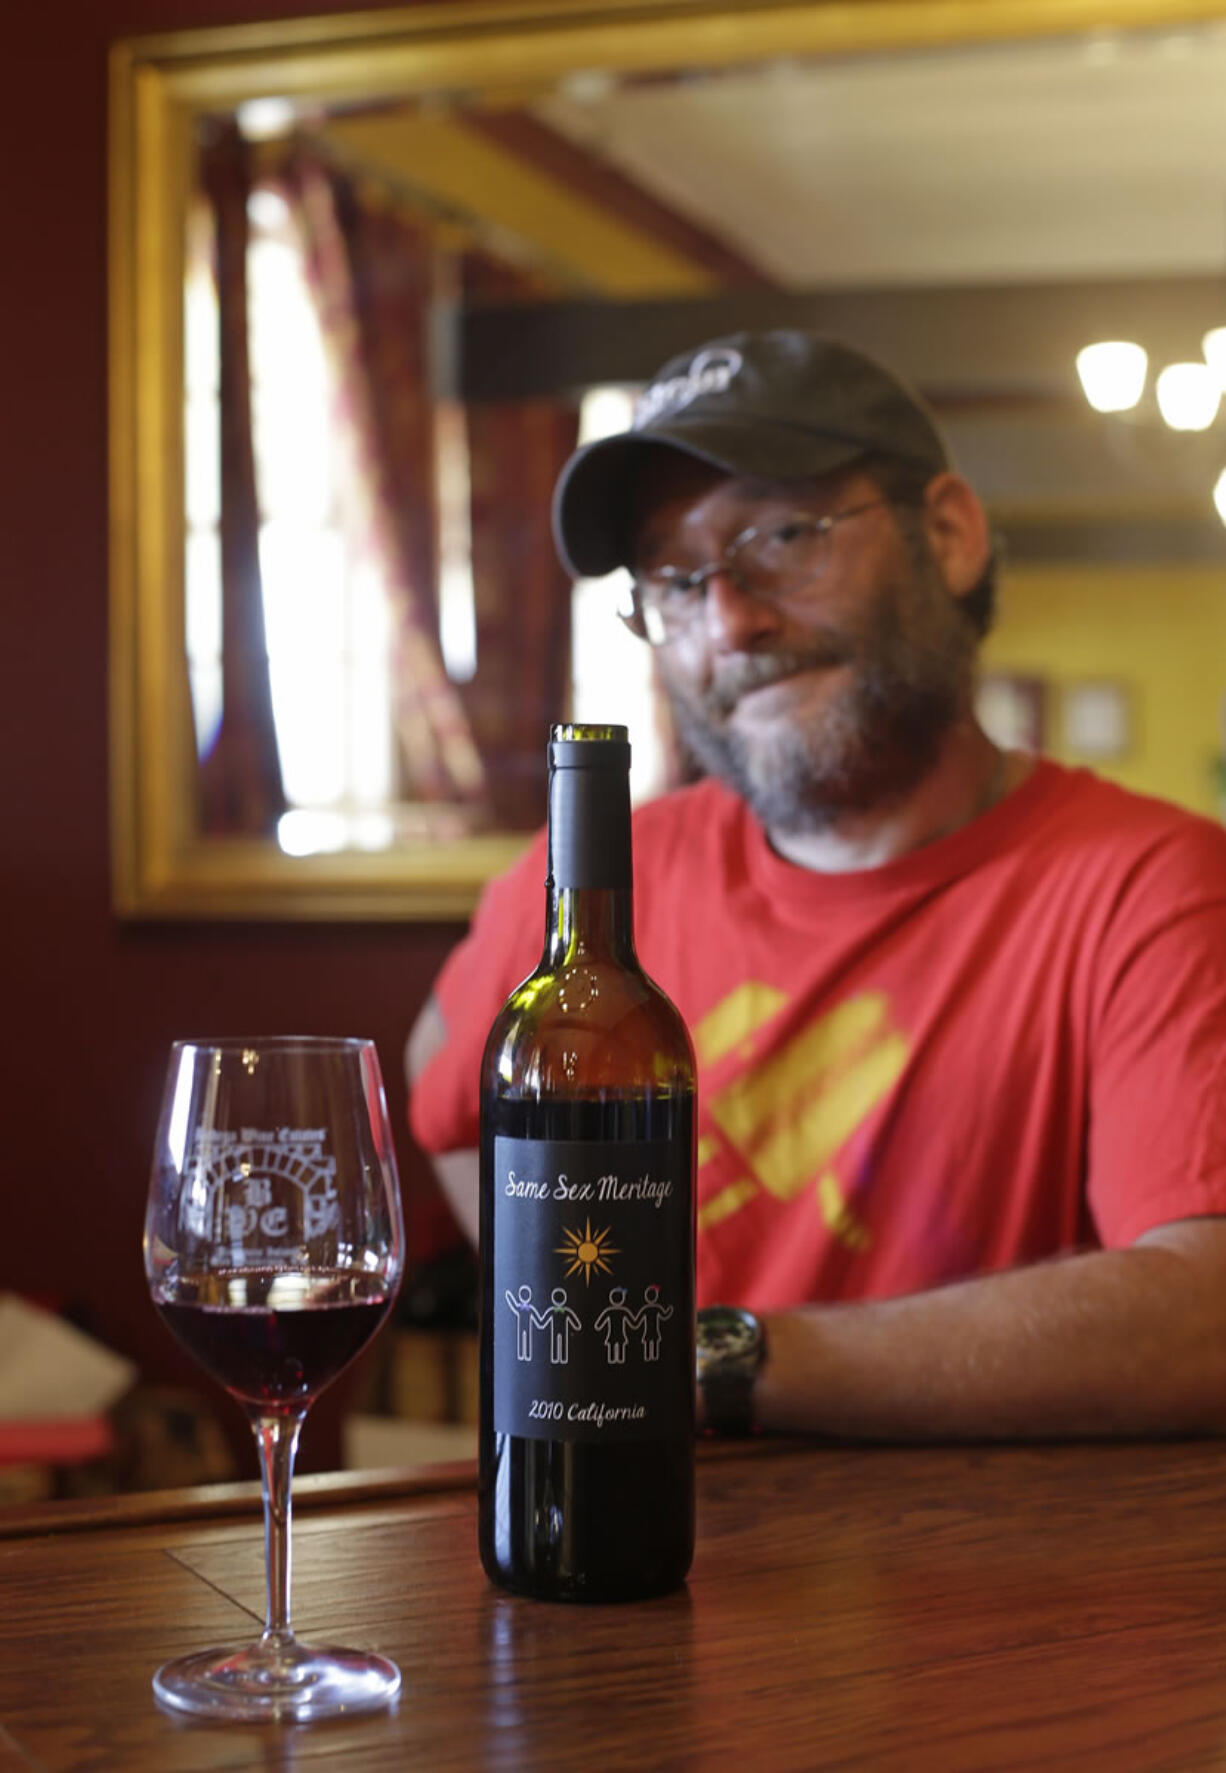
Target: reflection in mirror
[(360, 707), (405, 298), (378, 634)]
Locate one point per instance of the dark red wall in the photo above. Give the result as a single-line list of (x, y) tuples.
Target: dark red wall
[(89, 1005)]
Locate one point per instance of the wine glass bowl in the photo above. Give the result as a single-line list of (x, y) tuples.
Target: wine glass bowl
[(274, 1248)]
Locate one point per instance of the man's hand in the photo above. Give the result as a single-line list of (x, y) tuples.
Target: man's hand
[(1112, 1342)]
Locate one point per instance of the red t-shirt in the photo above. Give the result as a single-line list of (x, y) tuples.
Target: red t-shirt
[(1008, 1043)]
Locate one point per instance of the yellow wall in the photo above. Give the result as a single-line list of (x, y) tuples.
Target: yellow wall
[(1160, 632)]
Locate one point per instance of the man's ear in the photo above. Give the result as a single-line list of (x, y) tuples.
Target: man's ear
[(958, 531)]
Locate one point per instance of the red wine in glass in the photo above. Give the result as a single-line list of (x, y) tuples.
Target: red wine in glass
[(277, 1356)]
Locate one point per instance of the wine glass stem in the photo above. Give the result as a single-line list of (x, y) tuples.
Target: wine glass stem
[(276, 1439)]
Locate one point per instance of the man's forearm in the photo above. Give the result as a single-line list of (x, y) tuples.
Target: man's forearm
[(456, 1171), (1111, 1342), (457, 1175)]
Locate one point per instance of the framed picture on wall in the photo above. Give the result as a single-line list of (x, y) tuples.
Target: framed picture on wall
[(1012, 710), (1097, 719)]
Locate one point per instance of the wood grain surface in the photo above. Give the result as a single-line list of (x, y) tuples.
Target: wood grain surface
[(1020, 1607)]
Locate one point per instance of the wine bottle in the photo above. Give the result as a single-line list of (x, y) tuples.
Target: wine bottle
[(586, 1481)]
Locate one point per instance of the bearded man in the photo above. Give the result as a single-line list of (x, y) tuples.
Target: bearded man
[(960, 1013)]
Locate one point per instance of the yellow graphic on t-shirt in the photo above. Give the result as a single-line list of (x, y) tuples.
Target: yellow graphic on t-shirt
[(728, 1201), (736, 1019), (838, 1216), (708, 1147), (787, 1117)]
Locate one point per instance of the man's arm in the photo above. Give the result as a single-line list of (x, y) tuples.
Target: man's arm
[(456, 1170), (1129, 1341)]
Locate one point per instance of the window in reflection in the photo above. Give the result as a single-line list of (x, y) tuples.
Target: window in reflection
[(457, 608), (612, 672), (327, 611)]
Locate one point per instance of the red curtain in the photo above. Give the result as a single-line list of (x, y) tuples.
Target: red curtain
[(240, 787), (480, 746), (522, 599), (521, 592)]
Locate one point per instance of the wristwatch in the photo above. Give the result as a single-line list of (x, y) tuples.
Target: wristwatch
[(731, 1347)]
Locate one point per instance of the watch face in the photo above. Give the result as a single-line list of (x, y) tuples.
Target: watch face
[(727, 1337)]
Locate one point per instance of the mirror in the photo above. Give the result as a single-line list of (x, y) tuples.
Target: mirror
[(372, 275)]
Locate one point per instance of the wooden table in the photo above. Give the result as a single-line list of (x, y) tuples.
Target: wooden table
[(1028, 1607)]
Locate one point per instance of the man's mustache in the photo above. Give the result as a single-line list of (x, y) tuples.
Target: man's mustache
[(735, 677)]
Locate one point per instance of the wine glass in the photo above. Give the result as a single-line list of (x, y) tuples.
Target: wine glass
[(274, 1247)]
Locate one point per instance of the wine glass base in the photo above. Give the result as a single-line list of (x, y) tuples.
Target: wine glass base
[(292, 1683)]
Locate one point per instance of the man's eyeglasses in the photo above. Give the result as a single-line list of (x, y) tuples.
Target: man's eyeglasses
[(771, 561)]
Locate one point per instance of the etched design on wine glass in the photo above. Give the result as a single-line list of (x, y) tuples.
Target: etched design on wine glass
[(274, 1249), (257, 1181)]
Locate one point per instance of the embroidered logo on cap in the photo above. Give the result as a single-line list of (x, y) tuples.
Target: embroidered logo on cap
[(711, 372)]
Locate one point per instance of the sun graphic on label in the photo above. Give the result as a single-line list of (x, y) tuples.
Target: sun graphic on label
[(587, 1249)]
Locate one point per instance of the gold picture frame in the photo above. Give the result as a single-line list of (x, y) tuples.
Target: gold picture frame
[(162, 866)]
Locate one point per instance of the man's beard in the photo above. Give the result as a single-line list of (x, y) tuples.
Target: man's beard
[(910, 671)]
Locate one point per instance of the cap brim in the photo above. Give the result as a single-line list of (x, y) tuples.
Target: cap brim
[(592, 500)]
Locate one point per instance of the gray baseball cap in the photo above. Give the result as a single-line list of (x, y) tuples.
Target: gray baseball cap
[(781, 405)]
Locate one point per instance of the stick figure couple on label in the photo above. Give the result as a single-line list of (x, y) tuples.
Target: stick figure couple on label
[(616, 1322), (559, 1319)]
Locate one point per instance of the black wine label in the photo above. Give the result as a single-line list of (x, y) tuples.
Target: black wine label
[(593, 1312)]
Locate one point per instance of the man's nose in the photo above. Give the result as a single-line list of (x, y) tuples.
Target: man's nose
[(737, 620)]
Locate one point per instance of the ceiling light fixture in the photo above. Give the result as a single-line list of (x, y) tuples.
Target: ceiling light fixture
[(1188, 396), (1112, 374), (264, 119), (1214, 346)]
